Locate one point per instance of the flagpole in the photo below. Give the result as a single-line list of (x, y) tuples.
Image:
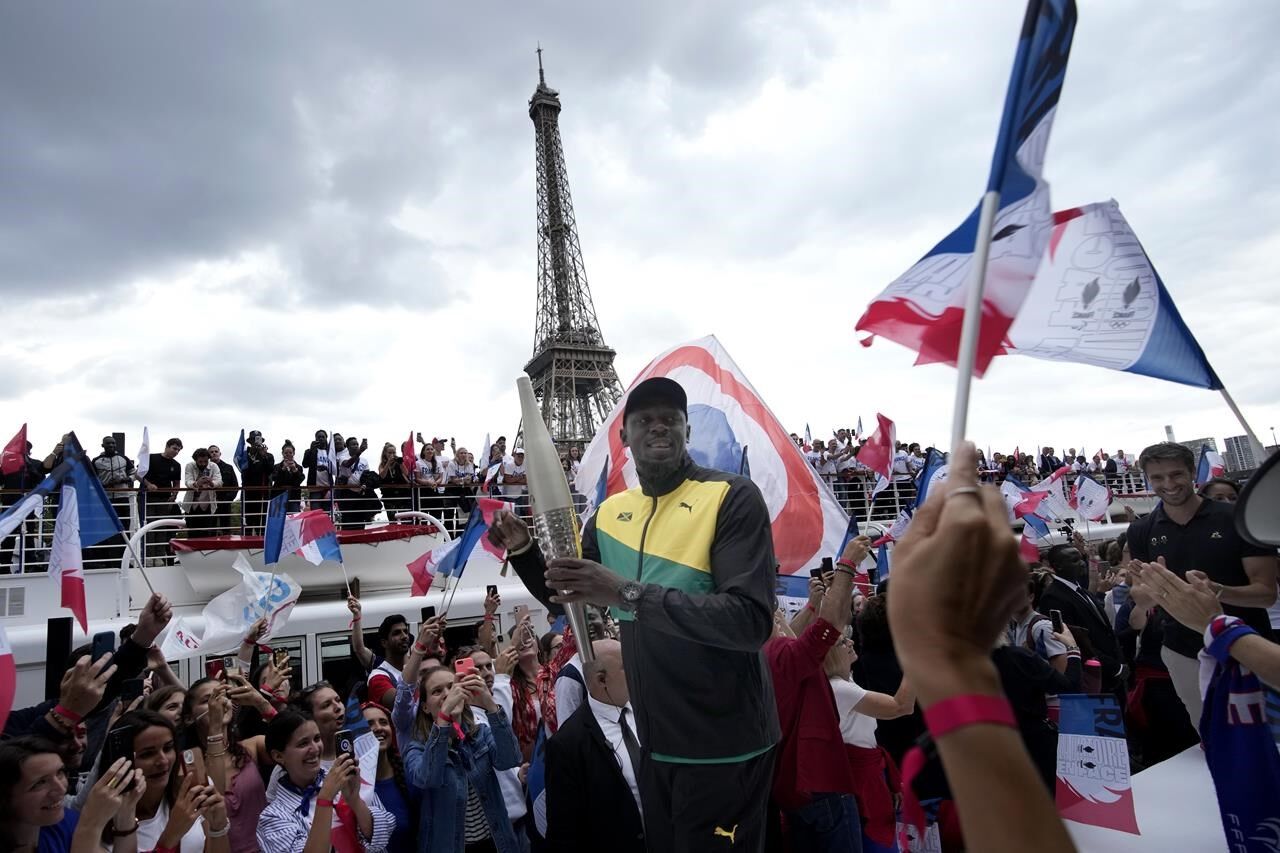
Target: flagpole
[(345, 579), (972, 325), (1235, 410)]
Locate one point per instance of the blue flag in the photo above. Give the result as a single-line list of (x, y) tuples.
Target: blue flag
[(850, 533), (242, 458), (456, 560), (274, 538), (882, 561), (97, 518)]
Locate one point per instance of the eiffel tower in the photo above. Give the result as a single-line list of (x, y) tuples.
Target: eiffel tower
[(572, 367)]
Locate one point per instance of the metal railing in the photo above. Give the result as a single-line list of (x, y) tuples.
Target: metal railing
[(242, 512)]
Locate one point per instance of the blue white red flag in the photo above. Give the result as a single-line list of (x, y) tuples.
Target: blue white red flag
[(895, 531), (850, 533), (924, 308), (1055, 506), (311, 536), (332, 461), (726, 414), (1097, 299), (1024, 504), (273, 535), (1093, 763), (1238, 745), (85, 518), (602, 488), (1090, 498), (808, 439), (933, 471), (857, 432), (423, 569), (882, 561), (453, 561), (1211, 465)]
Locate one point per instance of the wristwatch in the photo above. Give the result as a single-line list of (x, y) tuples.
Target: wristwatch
[(630, 593)]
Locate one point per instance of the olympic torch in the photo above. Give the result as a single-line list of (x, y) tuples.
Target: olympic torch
[(555, 521)]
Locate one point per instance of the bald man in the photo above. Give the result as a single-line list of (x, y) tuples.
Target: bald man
[(593, 802)]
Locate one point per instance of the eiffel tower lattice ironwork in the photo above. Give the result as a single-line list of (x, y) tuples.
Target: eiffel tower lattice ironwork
[(572, 367)]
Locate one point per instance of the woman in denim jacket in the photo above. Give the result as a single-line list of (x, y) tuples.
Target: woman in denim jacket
[(452, 759)]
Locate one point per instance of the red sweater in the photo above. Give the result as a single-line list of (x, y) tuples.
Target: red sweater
[(811, 757)]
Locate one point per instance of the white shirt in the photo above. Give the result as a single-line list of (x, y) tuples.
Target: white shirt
[(609, 719), (508, 780), (1042, 636), (901, 467), (511, 469), (322, 467), (453, 469), (569, 693), (386, 668), (855, 729), (149, 832), (352, 471), (427, 471)]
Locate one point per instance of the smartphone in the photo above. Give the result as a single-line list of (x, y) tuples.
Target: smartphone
[(345, 742), (464, 667), (280, 658), (193, 763), (816, 573), (231, 663), (873, 575), (428, 612), (521, 612), (131, 689), (1056, 617), (215, 669), (491, 590), (104, 643), (828, 565), (120, 742), (1104, 568)]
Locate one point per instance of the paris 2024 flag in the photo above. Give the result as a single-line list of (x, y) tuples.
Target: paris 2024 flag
[(726, 416), (924, 307), (1097, 299)]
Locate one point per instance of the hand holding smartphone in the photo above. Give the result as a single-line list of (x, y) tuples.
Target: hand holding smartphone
[(1055, 616)]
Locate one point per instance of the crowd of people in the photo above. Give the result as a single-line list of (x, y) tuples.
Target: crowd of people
[(702, 719)]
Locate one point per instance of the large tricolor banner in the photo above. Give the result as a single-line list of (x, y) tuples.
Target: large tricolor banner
[(1097, 299), (924, 308), (725, 415), (1093, 763)]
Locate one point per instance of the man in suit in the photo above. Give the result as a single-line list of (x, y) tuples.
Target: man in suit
[(1069, 593), (1048, 462), (593, 802)]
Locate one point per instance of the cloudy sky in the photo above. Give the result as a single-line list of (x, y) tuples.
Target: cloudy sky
[(287, 216)]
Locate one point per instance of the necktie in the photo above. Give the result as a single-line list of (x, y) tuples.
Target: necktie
[(629, 740)]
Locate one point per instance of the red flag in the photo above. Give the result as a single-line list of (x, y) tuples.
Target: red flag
[(407, 457), (1029, 504), (1028, 549), (15, 453), (343, 835), (8, 679), (877, 454), (420, 572)]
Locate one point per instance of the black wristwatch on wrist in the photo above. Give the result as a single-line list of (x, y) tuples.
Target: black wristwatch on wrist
[(630, 593)]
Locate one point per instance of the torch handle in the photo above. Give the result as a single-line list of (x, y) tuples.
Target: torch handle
[(559, 538)]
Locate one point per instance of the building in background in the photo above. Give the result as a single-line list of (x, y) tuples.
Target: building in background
[(1195, 444), (1242, 454)]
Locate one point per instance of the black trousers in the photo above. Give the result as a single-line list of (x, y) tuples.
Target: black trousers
[(694, 808)]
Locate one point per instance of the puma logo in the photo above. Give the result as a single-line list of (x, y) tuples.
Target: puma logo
[(689, 507), (730, 834), (624, 516)]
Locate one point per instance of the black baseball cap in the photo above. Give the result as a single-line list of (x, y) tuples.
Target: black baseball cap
[(656, 389)]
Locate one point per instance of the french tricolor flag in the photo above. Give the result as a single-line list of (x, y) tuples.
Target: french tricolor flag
[(311, 536), (924, 308), (1210, 465)]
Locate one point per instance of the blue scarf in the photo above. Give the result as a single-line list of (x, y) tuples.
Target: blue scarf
[(307, 794), (1238, 746)]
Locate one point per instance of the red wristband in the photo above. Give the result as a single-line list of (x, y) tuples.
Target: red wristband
[(456, 727), (70, 715), (960, 711), (321, 802), (942, 719), (488, 617), (270, 713), (847, 564), (809, 606)]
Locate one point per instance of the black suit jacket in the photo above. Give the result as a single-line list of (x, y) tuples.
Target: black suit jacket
[(589, 804), (1078, 613)]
